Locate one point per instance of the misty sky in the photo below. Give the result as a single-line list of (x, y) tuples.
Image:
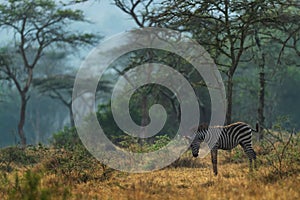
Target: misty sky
[(107, 18)]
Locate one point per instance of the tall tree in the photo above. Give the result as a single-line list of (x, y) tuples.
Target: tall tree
[(281, 27), (36, 26), (225, 28)]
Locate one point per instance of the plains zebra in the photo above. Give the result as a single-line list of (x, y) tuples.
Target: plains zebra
[(229, 137)]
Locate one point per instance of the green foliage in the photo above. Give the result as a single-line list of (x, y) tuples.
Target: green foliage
[(257, 34), (236, 155), (239, 155), (54, 84), (36, 25), (128, 142), (142, 145), (12, 156), (105, 118), (76, 15), (66, 138), (29, 186), (71, 159), (159, 142), (75, 165)]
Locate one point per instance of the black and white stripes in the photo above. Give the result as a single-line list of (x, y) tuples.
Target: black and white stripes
[(228, 138)]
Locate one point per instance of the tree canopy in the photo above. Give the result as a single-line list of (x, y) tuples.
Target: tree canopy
[(36, 26)]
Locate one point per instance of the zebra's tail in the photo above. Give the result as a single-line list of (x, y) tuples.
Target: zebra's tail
[(256, 127)]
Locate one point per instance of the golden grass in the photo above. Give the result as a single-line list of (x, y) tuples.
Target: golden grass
[(233, 182), (188, 184)]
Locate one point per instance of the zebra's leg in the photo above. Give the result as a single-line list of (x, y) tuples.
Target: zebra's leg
[(214, 160), (250, 165), (251, 155), (254, 158)]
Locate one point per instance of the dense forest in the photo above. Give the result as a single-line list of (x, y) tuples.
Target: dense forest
[(254, 44)]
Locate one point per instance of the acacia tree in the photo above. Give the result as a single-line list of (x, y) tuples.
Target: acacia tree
[(280, 28), (214, 24), (133, 8), (60, 87), (225, 28), (36, 26)]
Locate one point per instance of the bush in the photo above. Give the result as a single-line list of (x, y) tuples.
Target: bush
[(72, 160), (28, 186), (159, 142), (281, 149), (67, 139), (142, 145), (14, 155)]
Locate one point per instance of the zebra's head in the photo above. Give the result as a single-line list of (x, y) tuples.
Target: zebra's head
[(199, 132), (195, 148), (195, 145)]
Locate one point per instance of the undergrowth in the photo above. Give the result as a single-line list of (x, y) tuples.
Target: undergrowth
[(55, 172)]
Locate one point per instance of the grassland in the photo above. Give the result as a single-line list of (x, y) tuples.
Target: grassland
[(233, 182), (49, 173)]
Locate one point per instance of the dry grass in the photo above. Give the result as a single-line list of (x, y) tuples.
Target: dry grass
[(189, 182), (233, 182)]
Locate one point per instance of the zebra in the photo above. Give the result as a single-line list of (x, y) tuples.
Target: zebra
[(229, 137)]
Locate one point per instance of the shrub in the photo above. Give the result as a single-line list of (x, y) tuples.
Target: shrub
[(142, 145), (28, 186), (14, 155), (66, 138), (72, 160), (159, 142), (281, 149)]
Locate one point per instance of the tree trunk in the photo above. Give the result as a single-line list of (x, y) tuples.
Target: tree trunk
[(22, 119), (145, 115), (72, 123), (261, 96), (261, 93), (229, 99)]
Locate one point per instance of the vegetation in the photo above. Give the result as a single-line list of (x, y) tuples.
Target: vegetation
[(234, 33), (61, 172), (37, 26), (255, 45), (264, 78)]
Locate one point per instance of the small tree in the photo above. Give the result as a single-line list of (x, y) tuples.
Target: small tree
[(37, 25), (60, 87)]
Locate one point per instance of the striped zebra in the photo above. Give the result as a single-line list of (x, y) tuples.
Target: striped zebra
[(229, 137)]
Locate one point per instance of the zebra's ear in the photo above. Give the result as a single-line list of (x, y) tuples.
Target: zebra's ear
[(203, 126)]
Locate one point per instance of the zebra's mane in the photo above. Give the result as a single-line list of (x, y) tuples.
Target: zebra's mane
[(227, 126), (203, 127)]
